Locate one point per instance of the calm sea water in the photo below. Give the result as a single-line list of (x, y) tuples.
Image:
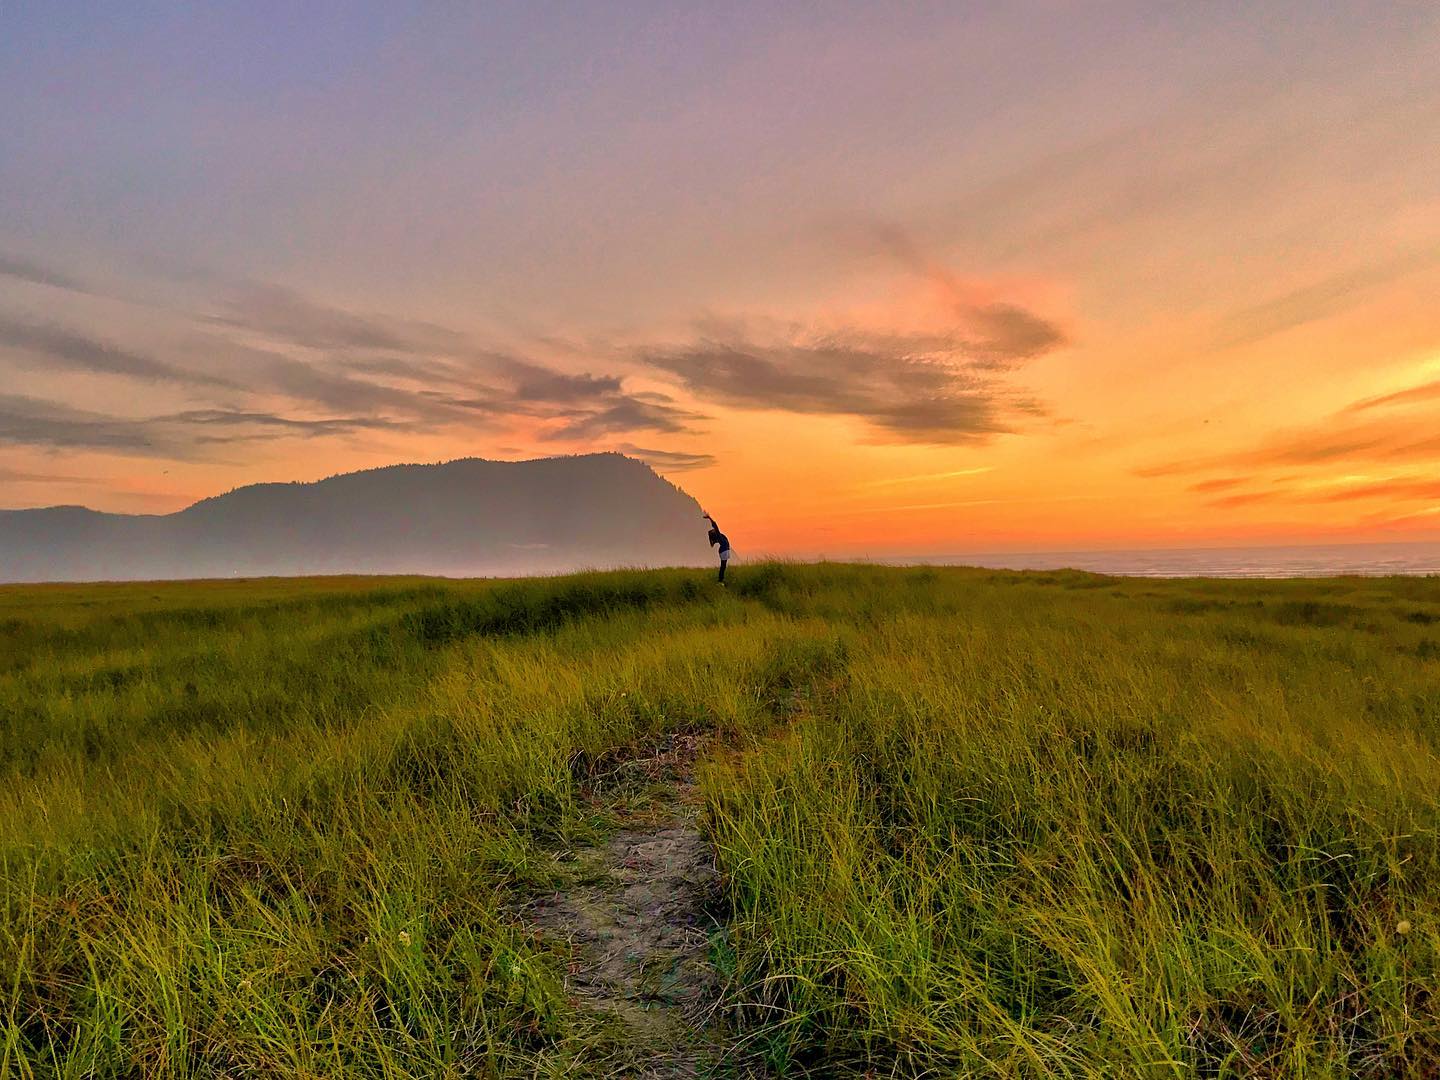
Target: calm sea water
[(1277, 562)]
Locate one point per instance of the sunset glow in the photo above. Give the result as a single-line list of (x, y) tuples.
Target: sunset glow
[(970, 278)]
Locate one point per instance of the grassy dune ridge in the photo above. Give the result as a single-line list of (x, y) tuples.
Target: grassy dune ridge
[(970, 822)]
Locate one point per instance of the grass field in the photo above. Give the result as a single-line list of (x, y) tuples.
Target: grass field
[(968, 823)]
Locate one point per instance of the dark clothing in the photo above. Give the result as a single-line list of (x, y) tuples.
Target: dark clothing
[(717, 537)]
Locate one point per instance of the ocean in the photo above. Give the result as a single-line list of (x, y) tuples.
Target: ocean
[(1319, 560)]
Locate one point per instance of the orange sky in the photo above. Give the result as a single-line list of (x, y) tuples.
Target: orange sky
[(929, 283)]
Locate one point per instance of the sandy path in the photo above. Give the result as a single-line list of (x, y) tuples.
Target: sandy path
[(640, 921)]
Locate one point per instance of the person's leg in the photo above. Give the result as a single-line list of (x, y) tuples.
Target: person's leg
[(721, 578)]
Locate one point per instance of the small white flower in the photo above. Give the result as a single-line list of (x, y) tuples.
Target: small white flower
[(404, 937)]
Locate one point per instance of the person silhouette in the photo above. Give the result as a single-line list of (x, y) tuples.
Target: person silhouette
[(718, 537)]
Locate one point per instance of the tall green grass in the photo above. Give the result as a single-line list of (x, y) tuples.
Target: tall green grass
[(970, 823), (1078, 828)]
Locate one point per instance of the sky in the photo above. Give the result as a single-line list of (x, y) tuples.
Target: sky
[(865, 279)]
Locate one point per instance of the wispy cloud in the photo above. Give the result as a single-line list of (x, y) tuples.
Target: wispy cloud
[(1318, 300), (316, 369), (28, 421), (1219, 483), (953, 474), (1006, 333), (1398, 488), (331, 387), (964, 503), (282, 315), (23, 476), (614, 415), (56, 346), (1385, 429), (431, 374), (1415, 395), (941, 380), (1244, 498), (1395, 489), (36, 273), (987, 329), (1333, 461), (240, 425), (1390, 440), (667, 461), (906, 395)]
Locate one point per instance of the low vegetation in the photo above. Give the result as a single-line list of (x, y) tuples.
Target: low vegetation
[(967, 823)]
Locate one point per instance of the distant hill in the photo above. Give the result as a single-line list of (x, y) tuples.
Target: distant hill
[(461, 518)]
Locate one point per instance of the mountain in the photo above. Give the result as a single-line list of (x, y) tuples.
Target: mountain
[(460, 518)]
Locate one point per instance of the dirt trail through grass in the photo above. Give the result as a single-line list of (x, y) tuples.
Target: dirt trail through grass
[(639, 917)]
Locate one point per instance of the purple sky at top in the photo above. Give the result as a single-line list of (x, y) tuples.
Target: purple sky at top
[(584, 154)]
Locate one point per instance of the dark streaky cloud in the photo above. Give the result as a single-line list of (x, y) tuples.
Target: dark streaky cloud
[(668, 460), (22, 269), (939, 388), (27, 421), (282, 315), (378, 371), (1005, 333), (22, 476), (616, 414), (914, 396), (432, 375), (77, 352), (247, 425)]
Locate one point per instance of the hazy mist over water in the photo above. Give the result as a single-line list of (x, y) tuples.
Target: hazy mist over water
[(1318, 560)]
